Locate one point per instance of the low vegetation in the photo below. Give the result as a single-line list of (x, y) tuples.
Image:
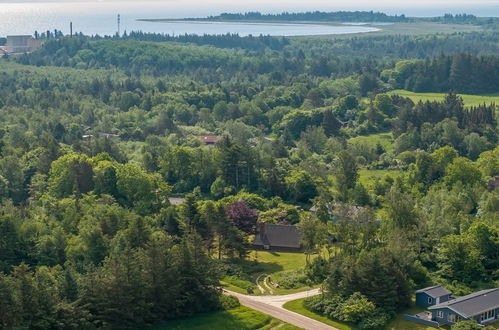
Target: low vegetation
[(238, 318)]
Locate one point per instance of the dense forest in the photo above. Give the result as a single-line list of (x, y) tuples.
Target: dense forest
[(98, 133), (340, 16)]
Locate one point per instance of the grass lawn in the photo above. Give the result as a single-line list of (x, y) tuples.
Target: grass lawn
[(385, 139), (266, 263), (367, 177), (273, 262), (237, 318), (469, 100), (298, 307), (400, 323)]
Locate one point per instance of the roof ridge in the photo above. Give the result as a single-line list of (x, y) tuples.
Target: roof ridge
[(428, 288), (464, 298)]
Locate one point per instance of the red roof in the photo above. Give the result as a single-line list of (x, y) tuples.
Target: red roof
[(208, 139)]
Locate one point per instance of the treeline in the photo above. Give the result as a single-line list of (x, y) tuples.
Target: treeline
[(462, 73), (340, 16), (136, 58), (454, 19), (229, 40)]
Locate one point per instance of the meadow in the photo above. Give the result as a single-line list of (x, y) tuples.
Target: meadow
[(469, 100)]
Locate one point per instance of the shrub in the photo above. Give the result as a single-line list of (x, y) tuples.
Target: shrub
[(355, 309), (291, 279), (229, 302), (322, 305), (375, 321), (316, 270)]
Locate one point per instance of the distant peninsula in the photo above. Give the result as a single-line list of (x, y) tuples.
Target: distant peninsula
[(328, 17)]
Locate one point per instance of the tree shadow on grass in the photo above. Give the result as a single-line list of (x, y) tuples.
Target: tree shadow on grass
[(251, 267)]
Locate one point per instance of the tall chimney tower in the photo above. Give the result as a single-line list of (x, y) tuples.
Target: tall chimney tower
[(119, 22), (71, 29)]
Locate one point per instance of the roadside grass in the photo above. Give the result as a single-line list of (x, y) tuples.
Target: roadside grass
[(385, 139), (298, 307), (469, 100), (241, 317)]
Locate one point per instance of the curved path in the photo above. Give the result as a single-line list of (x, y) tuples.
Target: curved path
[(272, 305)]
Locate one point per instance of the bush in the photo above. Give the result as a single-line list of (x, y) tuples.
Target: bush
[(229, 302), (317, 269), (291, 279), (356, 308), (469, 325), (322, 305), (374, 321)]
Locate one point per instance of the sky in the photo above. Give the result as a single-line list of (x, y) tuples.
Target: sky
[(409, 7)]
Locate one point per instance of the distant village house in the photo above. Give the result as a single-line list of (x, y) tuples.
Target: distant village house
[(208, 139)]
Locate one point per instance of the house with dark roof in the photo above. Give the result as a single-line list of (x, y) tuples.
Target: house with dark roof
[(283, 238), (432, 295), (482, 306)]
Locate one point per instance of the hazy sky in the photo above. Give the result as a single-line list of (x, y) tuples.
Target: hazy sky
[(322, 3), (409, 7)]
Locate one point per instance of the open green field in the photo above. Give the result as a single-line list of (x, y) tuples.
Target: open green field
[(261, 264), (298, 307), (241, 317), (469, 100), (410, 29), (384, 139), (367, 177)]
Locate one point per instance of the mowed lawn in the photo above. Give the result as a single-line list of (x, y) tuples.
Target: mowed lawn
[(367, 177), (242, 318), (278, 261), (384, 139), (259, 264), (469, 100)]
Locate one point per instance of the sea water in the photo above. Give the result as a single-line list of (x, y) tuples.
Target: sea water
[(100, 17)]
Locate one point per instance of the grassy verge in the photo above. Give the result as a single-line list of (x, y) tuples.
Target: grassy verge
[(238, 318), (469, 100), (298, 307)]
